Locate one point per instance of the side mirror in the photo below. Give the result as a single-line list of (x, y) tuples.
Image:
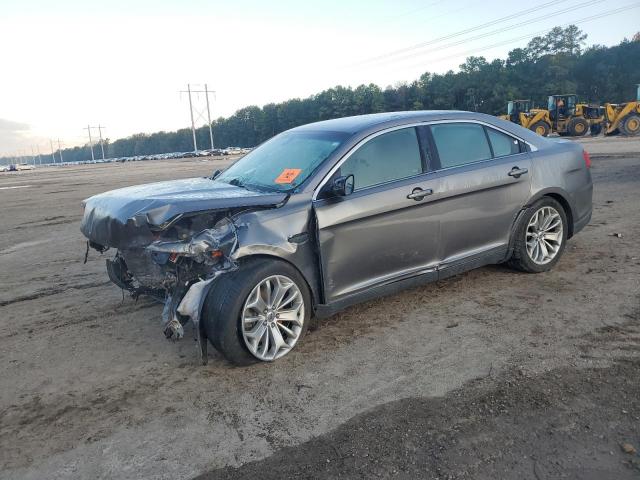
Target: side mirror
[(343, 186), (216, 173)]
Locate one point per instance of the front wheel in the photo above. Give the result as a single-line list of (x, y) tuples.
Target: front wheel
[(540, 237), (257, 313), (578, 127), (541, 128), (631, 125)]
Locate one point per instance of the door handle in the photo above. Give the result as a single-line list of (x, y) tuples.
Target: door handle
[(418, 193), (515, 172)]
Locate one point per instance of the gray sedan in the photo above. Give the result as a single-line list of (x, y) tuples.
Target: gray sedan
[(333, 213)]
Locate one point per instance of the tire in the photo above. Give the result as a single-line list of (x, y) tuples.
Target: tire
[(224, 306), (631, 125), (596, 129), (541, 128), (578, 127), (522, 258)]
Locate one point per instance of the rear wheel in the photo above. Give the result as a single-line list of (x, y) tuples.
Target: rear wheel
[(541, 128), (540, 237), (578, 127), (631, 125), (257, 313)]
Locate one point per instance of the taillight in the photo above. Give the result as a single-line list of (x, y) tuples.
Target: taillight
[(587, 158)]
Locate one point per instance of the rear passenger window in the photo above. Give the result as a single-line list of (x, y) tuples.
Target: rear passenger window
[(502, 144), (460, 143), (387, 157)]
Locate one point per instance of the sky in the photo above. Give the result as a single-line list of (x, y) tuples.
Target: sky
[(66, 64)]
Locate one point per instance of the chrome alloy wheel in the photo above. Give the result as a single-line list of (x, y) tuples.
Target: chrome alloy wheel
[(272, 317), (544, 235)]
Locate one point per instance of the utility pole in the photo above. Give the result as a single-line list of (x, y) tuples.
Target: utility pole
[(60, 151), (101, 143), (53, 157), (88, 129), (39, 157), (193, 125), (198, 115), (206, 94)]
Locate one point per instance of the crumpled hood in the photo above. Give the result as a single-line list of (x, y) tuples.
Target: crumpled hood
[(123, 217)]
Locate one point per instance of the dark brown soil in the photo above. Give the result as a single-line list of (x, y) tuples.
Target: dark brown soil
[(568, 423)]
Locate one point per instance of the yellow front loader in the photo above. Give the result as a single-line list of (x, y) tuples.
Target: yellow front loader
[(520, 112), (570, 118), (623, 117)]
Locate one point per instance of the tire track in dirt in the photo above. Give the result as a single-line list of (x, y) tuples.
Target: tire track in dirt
[(51, 291)]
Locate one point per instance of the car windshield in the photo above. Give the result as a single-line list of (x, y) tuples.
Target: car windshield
[(284, 162)]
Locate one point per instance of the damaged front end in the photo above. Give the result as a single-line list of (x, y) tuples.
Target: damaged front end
[(170, 248), (178, 272)]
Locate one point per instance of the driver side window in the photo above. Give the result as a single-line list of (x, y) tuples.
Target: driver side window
[(387, 157)]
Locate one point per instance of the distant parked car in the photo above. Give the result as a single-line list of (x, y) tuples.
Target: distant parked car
[(25, 166), (338, 212)]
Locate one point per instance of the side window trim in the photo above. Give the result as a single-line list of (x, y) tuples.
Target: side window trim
[(434, 155), (433, 151), (422, 132), (486, 135)]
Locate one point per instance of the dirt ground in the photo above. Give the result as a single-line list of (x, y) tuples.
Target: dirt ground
[(490, 374)]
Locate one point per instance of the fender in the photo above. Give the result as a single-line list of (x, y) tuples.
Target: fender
[(309, 274), (561, 196)]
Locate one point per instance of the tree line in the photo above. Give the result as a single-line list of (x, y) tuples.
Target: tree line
[(555, 63)]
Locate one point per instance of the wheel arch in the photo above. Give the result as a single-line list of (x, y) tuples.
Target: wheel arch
[(563, 199), (313, 293), (557, 194)]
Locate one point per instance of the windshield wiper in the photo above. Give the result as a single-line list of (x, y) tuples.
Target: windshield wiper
[(237, 183)]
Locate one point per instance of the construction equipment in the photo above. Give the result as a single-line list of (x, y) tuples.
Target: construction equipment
[(520, 112), (564, 116), (623, 117), (570, 118)]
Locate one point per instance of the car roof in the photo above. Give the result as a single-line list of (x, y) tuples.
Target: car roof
[(360, 123), (361, 126)]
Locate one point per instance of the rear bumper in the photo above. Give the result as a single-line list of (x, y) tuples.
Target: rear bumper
[(582, 222)]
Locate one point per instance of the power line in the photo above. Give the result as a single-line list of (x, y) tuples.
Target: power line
[(416, 10), (488, 34), (461, 32), (529, 35)]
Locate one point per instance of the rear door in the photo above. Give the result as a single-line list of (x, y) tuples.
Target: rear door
[(383, 232), (485, 179)]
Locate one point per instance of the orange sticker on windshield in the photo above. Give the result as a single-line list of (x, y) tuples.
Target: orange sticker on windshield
[(288, 175)]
